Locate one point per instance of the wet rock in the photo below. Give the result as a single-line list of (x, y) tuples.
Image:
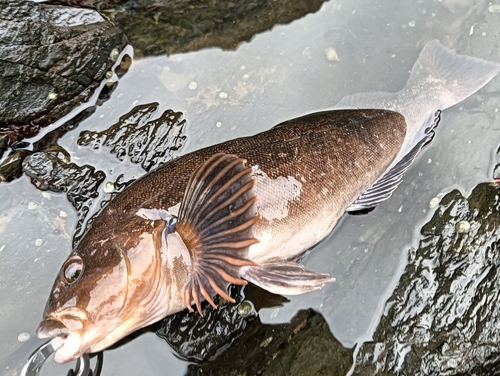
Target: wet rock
[(146, 141), (443, 317), (201, 338), (227, 342), (305, 346), (51, 170), (51, 60), (164, 26), (198, 338), (86, 215), (11, 167)]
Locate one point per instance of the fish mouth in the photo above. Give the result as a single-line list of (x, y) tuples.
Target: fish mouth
[(51, 328), (68, 343)]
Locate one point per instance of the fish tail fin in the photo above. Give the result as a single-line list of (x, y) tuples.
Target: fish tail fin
[(440, 78), (448, 76)]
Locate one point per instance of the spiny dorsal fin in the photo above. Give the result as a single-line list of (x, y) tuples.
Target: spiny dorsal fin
[(215, 222), (383, 188)]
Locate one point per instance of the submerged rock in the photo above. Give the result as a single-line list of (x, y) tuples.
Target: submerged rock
[(305, 346), (51, 60), (146, 141), (201, 338), (51, 170), (443, 317), (233, 341)]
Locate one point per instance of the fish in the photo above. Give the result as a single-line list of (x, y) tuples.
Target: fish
[(244, 210)]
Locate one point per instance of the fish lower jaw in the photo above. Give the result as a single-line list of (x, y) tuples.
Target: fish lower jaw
[(68, 348)]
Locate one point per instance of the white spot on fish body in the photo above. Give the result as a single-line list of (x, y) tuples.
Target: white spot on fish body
[(154, 214), (174, 210), (275, 195)]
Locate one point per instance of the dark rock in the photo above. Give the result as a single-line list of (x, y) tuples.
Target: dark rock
[(305, 346), (172, 26), (148, 142), (11, 167), (201, 338), (443, 317), (51, 170), (51, 60), (233, 341)]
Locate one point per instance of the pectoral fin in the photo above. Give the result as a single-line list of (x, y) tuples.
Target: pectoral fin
[(215, 222), (285, 278)]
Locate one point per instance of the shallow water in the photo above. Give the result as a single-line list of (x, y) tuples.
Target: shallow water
[(306, 66)]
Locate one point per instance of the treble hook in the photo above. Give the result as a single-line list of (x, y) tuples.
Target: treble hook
[(38, 358)]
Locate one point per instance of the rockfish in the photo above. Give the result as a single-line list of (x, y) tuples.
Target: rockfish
[(243, 210)]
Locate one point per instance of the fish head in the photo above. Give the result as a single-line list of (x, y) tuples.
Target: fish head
[(105, 290), (86, 309)]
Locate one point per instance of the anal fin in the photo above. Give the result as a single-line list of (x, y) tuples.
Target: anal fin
[(284, 277)]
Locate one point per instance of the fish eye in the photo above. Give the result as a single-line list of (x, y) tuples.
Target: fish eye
[(73, 269)]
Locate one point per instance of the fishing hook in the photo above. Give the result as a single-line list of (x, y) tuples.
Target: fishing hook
[(38, 358)]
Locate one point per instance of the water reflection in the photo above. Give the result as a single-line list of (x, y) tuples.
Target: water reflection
[(156, 27)]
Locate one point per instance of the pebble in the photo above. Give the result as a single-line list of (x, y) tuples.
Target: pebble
[(266, 342), (245, 308), (223, 94), (192, 85), (38, 242), (434, 202), (114, 54), (494, 8), (23, 337), (463, 227), (218, 124), (331, 54), (109, 187)]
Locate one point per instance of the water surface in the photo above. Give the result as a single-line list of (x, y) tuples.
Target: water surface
[(306, 66)]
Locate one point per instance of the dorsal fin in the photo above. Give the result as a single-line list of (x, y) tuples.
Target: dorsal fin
[(383, 188), (215, 222)]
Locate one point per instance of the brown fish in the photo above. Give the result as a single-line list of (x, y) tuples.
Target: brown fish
[(241, 210)]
